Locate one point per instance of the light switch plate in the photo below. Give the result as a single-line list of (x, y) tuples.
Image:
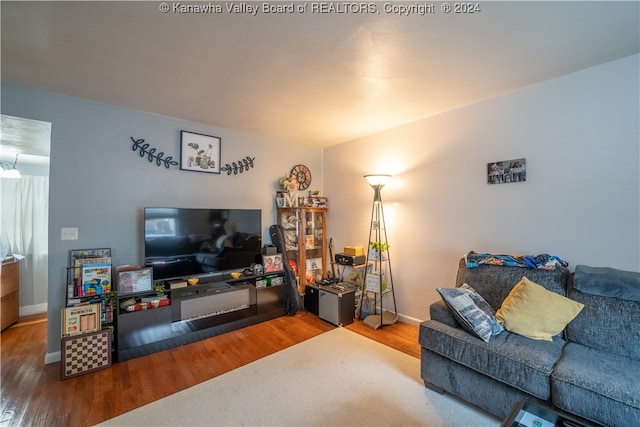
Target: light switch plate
[(69, 233)]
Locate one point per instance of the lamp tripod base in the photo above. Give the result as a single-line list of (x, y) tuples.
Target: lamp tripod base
[(374, 321)]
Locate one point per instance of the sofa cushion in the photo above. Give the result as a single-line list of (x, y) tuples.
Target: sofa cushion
[(608, 324), (494, 282), (471, 311), (597, 385), (607, 282), (510, 358), (534, 312)]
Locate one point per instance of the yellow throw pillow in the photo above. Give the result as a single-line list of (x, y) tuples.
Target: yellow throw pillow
[(535, 312)]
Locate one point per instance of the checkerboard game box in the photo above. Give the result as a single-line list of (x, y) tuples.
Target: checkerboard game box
[(85, 353)]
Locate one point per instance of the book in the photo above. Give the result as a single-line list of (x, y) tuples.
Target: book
[(79, 262), (81, 319), (73, 301), (154, 298), (74, 274), (96, 279), (177, 284)]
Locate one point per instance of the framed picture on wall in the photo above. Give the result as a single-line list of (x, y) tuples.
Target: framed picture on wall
[(506, 171), (199, 153)]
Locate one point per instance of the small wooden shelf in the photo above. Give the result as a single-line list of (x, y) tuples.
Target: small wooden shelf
[(10, 291)]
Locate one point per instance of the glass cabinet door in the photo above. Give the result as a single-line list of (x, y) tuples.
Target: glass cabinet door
[(305, 243), (314, 246)]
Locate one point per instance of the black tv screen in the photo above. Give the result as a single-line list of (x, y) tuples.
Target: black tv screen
[(186, 242)]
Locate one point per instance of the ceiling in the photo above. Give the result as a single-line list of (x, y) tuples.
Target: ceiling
[(317, 78), (24, 141)]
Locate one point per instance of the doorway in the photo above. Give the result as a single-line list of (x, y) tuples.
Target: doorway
[(25, 146)]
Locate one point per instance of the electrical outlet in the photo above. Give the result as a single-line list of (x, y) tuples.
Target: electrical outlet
[(69, 233)]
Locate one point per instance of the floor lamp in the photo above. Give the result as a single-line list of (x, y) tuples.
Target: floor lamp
[(378, 279)]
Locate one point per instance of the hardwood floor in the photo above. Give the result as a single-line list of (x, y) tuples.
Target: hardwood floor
[(32, 393)]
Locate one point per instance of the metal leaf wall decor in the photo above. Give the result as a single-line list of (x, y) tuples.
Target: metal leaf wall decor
[(239, 167), (139, 144)]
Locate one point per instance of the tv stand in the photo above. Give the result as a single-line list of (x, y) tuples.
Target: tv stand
[(217, 304)]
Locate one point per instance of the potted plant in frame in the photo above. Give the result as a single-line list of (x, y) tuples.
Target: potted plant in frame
[(378, 251)]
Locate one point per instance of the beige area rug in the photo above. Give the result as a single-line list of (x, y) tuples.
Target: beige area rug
[(338, 378)]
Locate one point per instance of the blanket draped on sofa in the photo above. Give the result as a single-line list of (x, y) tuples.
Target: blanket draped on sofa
[(540, 261)]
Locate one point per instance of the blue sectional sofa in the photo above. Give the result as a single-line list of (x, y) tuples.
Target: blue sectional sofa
[(590, 370)]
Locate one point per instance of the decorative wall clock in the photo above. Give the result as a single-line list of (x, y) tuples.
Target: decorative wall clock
[(303, 176)]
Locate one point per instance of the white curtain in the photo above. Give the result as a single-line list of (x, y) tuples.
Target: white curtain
[(24, 230)]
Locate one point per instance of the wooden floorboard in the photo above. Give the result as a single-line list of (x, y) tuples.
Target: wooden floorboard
[(32, 393)]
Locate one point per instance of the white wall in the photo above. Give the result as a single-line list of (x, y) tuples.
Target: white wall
[(98, 184), (580, 137)]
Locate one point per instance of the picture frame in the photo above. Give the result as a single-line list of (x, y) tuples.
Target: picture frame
[(272, 263), (373, 283), (199, 153), (507, 171), (313, 270), (135, 281), (317, 202)]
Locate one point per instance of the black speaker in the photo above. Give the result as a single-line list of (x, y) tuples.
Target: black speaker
[(311, 299)]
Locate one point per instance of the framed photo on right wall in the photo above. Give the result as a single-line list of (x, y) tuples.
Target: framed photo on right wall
[(507, 171)]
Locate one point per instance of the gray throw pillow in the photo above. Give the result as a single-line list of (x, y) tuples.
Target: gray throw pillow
[(471, 310)]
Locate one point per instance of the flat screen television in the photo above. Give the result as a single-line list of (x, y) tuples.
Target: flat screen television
[(185, 242)]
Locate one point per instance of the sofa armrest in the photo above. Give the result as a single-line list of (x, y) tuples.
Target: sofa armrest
[(439, 312)]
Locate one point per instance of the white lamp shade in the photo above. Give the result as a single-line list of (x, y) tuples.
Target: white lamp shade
[(377, 180)]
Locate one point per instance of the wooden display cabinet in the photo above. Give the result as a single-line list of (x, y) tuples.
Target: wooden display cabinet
[(305, 242)]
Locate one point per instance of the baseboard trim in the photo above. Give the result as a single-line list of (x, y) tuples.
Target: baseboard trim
[(52, 357), (409, 320), (28, 310)]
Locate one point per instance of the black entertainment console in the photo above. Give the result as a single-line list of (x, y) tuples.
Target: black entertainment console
[(219, 303)]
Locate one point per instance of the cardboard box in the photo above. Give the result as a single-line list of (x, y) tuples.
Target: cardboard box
[(354, 250), (81, 319)]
